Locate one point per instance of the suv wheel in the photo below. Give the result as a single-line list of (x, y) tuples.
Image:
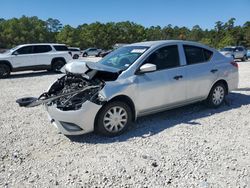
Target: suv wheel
[(57, 65), (244, 58), (76, 56), (113, 119), (85, 55), (4, 71), (217, 95)]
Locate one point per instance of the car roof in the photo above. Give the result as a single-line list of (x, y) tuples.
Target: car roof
[(54, 44), (162, 42)]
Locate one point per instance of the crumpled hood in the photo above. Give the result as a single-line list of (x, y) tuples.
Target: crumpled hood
[(91, 70), (81, 67)]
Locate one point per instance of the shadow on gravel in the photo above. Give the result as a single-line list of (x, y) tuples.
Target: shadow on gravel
[(153, 124), (30, 74)]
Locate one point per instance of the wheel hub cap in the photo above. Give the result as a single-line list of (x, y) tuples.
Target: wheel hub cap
[(115, 119), (218, 95)]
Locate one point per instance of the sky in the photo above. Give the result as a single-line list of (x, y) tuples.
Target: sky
[(145, 12)]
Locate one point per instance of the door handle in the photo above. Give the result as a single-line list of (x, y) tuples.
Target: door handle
[(214, 70), (177, 77)]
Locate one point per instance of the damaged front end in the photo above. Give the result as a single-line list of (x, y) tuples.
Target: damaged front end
[(73, 100), (82, 82)]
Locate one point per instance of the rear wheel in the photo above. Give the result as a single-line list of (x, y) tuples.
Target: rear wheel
[(4, 71), (76, 56), (57, 65), (113, 119), (217, 95), (244, 58)]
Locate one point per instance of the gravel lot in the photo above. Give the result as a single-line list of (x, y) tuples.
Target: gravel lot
[(191, 146)]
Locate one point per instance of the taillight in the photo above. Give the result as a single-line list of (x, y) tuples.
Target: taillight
[(235, 64)]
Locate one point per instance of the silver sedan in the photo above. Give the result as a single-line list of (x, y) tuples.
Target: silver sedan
[(137, 80)]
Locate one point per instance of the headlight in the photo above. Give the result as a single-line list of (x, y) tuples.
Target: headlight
[(101, 97)]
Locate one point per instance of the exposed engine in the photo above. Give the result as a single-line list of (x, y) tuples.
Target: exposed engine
[(71, 91), (82, 82)]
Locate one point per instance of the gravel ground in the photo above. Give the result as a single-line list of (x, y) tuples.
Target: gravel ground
[(191, 146)]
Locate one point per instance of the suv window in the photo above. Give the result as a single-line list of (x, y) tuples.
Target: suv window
[(24, 50), (240, 49), (196, 54), (42, 48), (164, 58), (61, 48)]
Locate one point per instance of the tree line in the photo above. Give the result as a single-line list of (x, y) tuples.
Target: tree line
[(104, 35)]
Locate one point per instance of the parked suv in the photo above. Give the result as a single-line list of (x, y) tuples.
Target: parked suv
[(34, 57), (91, 52), (237, 52)]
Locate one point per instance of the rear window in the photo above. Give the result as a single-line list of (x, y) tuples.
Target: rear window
[(196, 54), (74, 49), (61, 48), (42, 48)]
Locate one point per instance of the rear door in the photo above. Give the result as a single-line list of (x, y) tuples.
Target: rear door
[(201, 71), (42, 54), (164, 87)]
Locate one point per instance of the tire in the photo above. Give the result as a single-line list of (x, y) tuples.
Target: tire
[(98, 55), (4, 71), (107, 125), (85, 55), (76, 56), (244, 58), (217, 95), (57, 65)]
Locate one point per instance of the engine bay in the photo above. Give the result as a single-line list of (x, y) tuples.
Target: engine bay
[(72, 91)]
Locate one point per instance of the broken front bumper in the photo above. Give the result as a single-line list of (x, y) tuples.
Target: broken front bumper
[(74, 122)]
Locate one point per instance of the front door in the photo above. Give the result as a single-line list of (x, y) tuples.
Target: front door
[(164, 87), (23, 57)]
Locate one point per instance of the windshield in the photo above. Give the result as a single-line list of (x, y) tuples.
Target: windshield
[(123, 57), (11, 50), (227, 49)]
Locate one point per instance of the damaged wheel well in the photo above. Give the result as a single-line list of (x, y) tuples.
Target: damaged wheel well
[(121, 98)]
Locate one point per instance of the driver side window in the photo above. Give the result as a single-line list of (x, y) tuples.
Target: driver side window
[(165, 58), (24, 50)]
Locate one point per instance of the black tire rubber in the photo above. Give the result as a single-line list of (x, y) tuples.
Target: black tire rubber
[(99, 127), (57, 65), (85, 55), (244, 58), (209, 100), (76, 56), (4, 71)]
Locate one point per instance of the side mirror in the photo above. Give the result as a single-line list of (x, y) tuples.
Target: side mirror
[(148, 67)]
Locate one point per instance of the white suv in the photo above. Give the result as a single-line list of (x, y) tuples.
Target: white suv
[(42, 56)]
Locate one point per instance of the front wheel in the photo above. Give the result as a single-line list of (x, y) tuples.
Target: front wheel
[(113, 119), (4, 71), (217, 95)]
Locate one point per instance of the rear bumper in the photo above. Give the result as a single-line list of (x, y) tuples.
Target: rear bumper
[(74, 122)]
